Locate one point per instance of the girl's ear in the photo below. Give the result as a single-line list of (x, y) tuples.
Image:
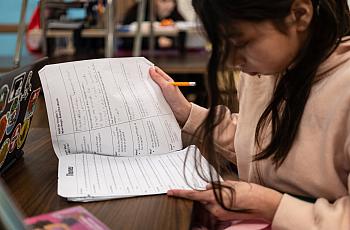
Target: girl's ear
[(301, 14)]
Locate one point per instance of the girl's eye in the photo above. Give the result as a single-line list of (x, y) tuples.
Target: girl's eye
[(240, 44)]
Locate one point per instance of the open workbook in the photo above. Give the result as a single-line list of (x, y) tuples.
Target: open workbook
[(113, 131)]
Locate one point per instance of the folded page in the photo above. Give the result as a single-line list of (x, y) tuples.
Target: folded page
[(95, 177), (108, 106)]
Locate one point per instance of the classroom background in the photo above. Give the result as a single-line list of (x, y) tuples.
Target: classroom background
[(71, 34), (77, 30), (10, 14)]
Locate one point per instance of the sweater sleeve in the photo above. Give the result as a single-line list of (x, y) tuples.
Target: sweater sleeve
[(293, 213), (224, 133)]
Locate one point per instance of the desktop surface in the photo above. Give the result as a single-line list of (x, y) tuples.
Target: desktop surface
[(32, 183), (171, 61)]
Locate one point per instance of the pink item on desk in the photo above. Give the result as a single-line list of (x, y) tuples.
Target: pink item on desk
[(74, 218), (246, 225)]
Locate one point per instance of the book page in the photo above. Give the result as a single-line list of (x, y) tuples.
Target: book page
[(107, 106), (95, 177)]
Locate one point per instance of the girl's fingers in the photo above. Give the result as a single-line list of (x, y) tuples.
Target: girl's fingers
[(154, 75), (201, 196), (163, 74), (209, 186), (161, 78)]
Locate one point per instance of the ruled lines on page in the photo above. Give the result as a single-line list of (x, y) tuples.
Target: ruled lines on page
[(108, 106), (87, 175)]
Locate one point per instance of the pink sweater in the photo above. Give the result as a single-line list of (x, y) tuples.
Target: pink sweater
[(318, 164)]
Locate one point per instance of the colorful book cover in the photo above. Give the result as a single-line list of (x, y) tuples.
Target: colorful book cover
[(75, 218)]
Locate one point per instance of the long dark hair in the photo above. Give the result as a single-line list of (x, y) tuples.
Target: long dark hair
[(329, 24)]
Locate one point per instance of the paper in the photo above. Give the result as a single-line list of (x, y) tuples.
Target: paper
[(112, 130), (108, 106), (87, 175)]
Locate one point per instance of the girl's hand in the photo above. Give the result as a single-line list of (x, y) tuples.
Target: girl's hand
[(164, 42), (176, 100), (262, 202)]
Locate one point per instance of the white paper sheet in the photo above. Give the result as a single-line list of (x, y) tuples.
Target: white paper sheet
[(108, 106), (93, 176), (112, 130)]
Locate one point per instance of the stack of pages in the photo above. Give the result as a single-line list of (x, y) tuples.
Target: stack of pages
[(113, 132)]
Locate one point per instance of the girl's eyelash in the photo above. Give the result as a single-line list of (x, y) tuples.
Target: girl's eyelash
[(240, 44)]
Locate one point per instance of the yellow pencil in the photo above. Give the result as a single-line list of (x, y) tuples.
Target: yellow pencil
[(183, 83)]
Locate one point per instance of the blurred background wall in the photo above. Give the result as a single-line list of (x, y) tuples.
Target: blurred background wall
[(10, 13)]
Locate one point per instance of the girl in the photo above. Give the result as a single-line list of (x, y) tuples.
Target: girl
[(164, 10), (291, 138)]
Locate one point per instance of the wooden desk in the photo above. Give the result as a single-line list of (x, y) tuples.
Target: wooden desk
[(189, 63), (97, 33), (32, 182), (171, 61)]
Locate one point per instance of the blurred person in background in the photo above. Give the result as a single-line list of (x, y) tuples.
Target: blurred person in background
[(166, 12)]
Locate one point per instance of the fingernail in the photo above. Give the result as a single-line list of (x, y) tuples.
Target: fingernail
[(170, 193)]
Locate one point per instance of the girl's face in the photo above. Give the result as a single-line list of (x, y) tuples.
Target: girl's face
[(260, 48), (164, 7)]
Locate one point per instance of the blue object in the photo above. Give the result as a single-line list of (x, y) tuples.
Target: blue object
[(9, 14), (124, 28), (76, 13)]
